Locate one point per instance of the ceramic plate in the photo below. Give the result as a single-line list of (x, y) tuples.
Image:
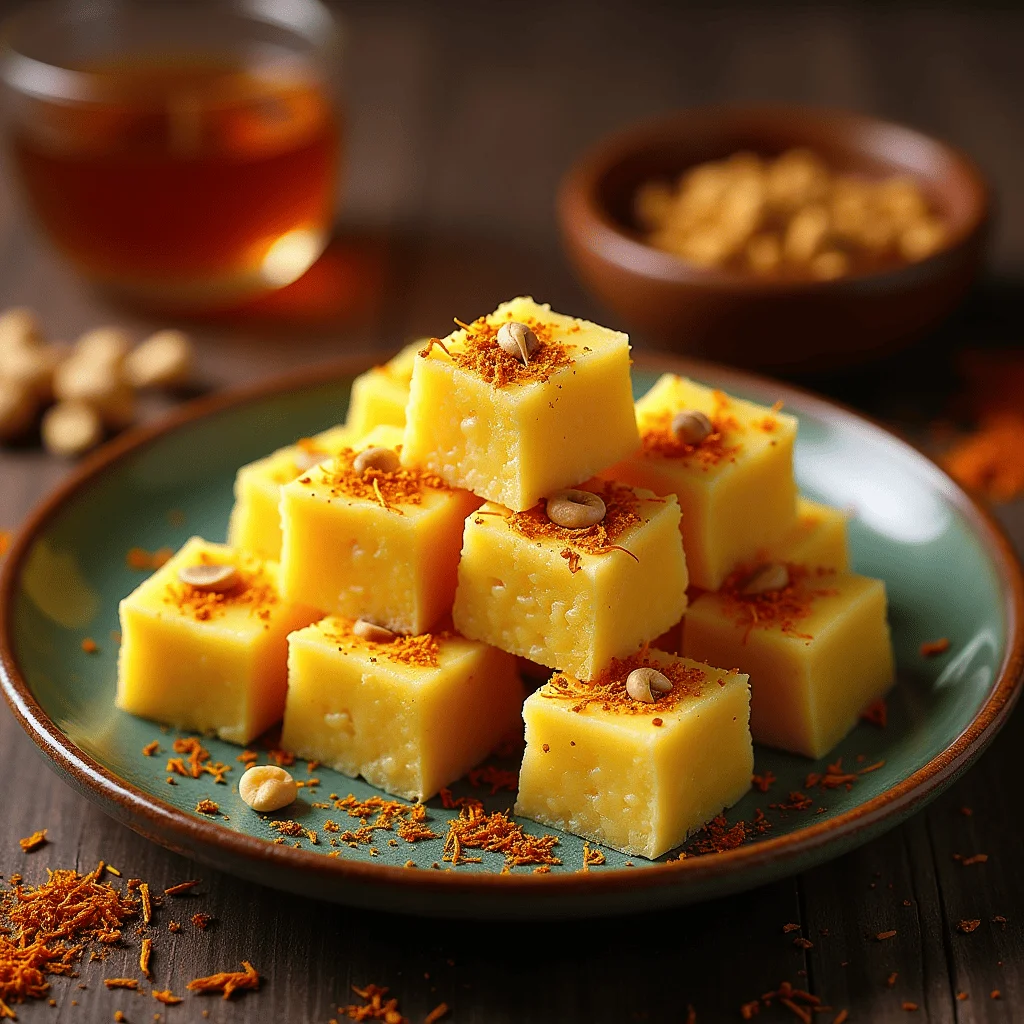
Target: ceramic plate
[(949, 572)]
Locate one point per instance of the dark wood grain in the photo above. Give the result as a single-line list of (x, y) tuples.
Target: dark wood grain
[(462, 116)]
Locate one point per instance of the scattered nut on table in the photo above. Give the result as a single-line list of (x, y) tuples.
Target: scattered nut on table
[(266, 787), (71, 428), (98, 382), (163, 360)]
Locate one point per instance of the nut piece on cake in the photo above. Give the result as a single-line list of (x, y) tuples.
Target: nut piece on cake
[(573, 597), (514, 429), (371, 541), (636, 775), (410, 714), (203, 643), (817, 651), (735, 484), (255, 523)]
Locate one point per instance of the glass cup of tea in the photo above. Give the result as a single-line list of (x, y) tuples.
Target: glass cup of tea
[(181, 153)]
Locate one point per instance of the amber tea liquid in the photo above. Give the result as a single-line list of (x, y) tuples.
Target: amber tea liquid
[(185, 182)]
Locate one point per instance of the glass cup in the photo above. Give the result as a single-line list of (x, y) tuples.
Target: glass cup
[(182, 153)]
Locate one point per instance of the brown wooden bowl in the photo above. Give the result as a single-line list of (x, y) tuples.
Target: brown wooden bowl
[(737, 317)]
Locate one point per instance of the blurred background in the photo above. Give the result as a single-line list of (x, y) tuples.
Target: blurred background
[(456, 123)]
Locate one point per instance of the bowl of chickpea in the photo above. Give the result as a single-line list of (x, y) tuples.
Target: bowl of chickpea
[(790, 239)]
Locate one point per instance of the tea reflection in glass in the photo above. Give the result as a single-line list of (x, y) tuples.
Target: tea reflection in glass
[(182, 153)]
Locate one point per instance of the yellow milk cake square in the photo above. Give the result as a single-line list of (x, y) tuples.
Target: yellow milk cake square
[(514, 425), (728, 461), (379, 395), (363, 536), (410, 714), (573, 597), (815, 643), (639, 758), (255, 523), (203, 643)]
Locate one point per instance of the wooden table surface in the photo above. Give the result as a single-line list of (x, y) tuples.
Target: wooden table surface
[(462, 117)]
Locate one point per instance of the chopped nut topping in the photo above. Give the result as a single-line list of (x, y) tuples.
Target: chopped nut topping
[(766, 579), (647, 684), (371, 631), (691, 426), (576, 510), (213, 579), (383, 459), (517, 340)]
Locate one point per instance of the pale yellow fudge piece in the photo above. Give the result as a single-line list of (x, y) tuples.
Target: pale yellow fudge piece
[(637, 777), (377, 545), (573, 599), (736, 487), (817, 652), (255, 523), (513, 433), (379, 395), (819, 538), (410, 715), (205, 661)]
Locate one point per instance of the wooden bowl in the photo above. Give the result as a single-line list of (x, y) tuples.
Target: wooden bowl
[(737, 317)]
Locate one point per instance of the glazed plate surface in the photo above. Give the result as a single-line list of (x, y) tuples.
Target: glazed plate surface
[(948, 570)]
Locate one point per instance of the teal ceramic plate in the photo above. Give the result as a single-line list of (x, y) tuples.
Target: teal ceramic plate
[(949, 571)]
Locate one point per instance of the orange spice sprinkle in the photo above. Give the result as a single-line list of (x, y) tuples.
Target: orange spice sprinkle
[(882, 936), (909, 1006), (147, 561), (119, 1017), (422, 651), (781, 609), (147, 903), (227, 982), (977, 858), (89, 645), (476, 350), (891, 980), (174, 927), (374, 1006), (256, 591), (621, 514), (151, 749), (248, 757), (718, 835), (721, 445), (608, 689), (496, 833), (877, 713), (496, 778), (33, 842), (201, 921), (167, 997), (763, 783), (436, 1014), (181, 888), (282, 758), (389, 489), (145, 955), (833, 777), (132, 983), (933, 648), (208, 806), (840, 1017), (591, 858), (748, 1011), (995, 994), (968, 925)]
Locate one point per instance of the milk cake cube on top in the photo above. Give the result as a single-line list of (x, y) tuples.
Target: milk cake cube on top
[(638, 777), (410, 715), (512, 432), (383, 546), (573, 599), (208, 662), (819, 538), (818, 651), (735, 487), (255, 523), (379, 396)]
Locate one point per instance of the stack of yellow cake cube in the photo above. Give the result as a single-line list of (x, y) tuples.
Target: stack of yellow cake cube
[(496, 496)]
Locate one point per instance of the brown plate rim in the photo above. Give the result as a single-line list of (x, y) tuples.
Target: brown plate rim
[(178, 830), (605, 236)]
